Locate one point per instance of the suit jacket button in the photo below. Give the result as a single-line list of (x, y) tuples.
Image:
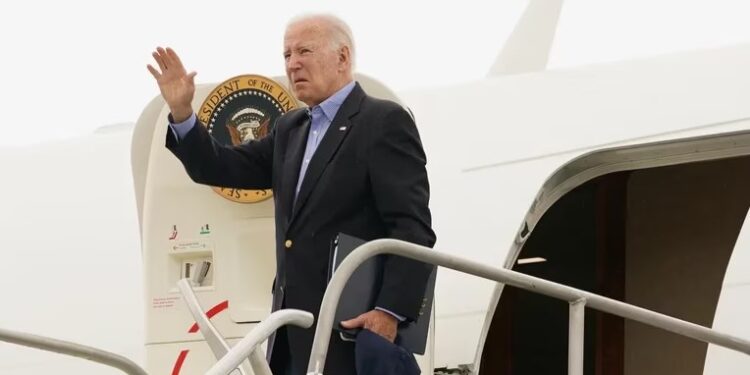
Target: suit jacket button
[(288, 244)]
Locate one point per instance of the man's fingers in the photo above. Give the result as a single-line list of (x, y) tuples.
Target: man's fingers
[(153, 71), (165, 58), (371, 320), (174, 60), (353, 323), (191, 77), (159, 61)]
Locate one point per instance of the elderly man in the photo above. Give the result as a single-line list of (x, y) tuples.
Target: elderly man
[(349, 163)]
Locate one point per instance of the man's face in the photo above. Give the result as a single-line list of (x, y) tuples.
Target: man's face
[(312, 66)]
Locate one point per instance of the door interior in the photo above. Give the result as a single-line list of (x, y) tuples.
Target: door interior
[(660, 238)]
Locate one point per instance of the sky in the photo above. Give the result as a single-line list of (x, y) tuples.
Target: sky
[(69, 67)]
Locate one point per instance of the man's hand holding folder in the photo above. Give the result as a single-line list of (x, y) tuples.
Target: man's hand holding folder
[(357, 308), (377, 321)]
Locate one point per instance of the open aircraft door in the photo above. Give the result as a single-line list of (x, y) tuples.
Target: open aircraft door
[(661, 226)]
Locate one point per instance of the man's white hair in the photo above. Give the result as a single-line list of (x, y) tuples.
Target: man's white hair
[(340, 33)]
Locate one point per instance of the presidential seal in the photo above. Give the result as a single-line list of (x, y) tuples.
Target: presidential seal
[(241, 110)]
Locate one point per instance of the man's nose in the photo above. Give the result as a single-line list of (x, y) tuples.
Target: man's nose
[(293, 63)]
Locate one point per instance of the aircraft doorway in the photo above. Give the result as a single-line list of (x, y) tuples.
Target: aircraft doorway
[(659, 238)]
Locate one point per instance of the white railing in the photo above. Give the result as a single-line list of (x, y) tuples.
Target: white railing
[(229, 359), (215, 341), (260, 333), (72, 349), (578, 300)]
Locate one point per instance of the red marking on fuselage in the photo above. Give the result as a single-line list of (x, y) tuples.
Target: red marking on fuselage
[(210, 314), (194, 328)]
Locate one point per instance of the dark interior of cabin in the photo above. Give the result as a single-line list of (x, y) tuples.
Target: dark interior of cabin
[(659, 238)]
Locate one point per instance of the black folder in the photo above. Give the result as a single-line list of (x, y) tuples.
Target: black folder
[(361, 291)]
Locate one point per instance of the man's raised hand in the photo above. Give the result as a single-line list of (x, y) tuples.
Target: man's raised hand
[(176, 85)]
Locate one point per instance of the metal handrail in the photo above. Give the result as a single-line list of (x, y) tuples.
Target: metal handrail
[(215, 341), (578, 300), (229, 359), (72, 349), (249, 343)]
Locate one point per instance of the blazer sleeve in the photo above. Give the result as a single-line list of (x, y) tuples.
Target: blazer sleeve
[(401, 191), (246, 166)]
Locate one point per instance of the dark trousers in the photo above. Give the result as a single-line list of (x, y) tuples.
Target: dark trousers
[(339, 361), (281, 359)]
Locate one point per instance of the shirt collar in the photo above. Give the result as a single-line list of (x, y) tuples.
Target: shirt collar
[(331, 105)]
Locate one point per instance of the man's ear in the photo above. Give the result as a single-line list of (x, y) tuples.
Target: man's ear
[(345, 57)]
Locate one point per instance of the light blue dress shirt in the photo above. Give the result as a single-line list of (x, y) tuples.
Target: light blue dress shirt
[(321, 117), (181, 129)]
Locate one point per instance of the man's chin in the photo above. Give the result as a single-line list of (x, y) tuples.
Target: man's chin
[(300, 95)]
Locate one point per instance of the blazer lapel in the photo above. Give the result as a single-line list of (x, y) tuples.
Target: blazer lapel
[(295, 151), (337, 131)]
